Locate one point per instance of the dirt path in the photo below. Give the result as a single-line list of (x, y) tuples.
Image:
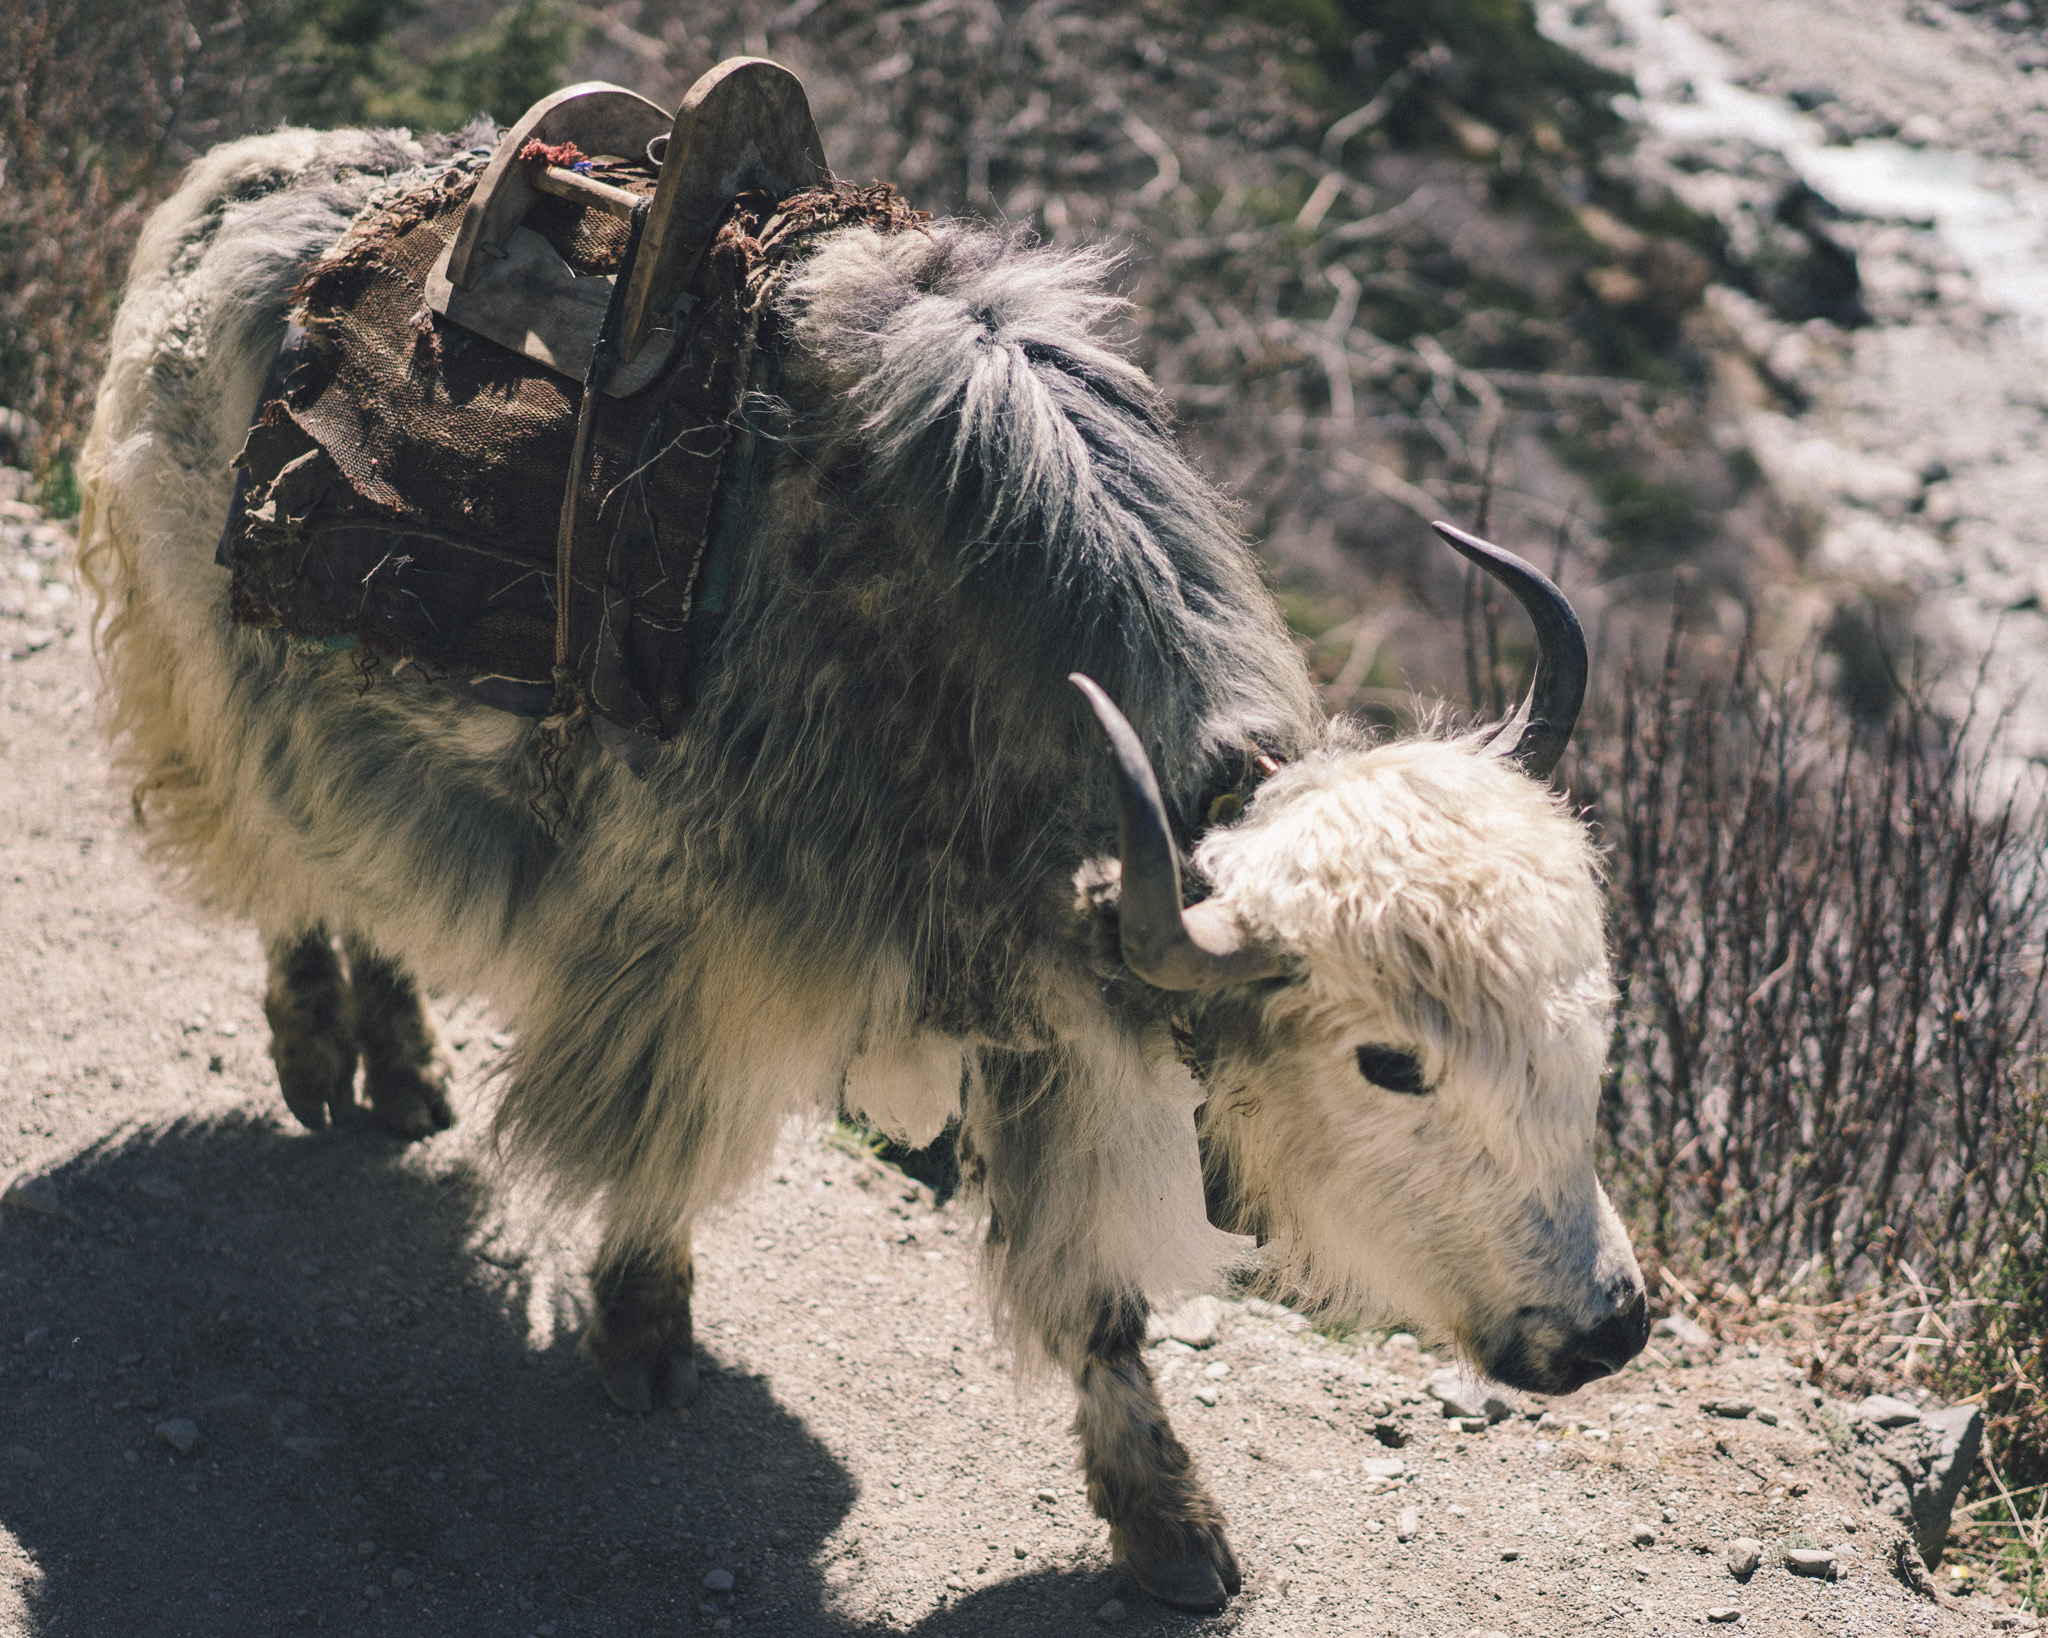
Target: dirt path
[(374, 1352)]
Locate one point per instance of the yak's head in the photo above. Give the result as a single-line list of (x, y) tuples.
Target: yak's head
[(1398, 996)]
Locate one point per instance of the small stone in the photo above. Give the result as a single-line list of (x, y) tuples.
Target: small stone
[(1886, 1412), (1207, 1395), (1383, 1467), (1408, 1525), (1642, 1535), (1216, 1372), (718, 1581), (181, 1433), (1048, 1496), (1813, 1561), (1402, 1342), (1463, 1395), (1721, 1613), (366, 1549), (1745, 1553), (1733, 1409), (1020, 1550), (401, 1579), (1472, 1424), (1766, 1416), (1199, 1323), (1110, 1611)]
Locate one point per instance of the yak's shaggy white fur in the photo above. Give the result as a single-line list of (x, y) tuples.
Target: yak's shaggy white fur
[(1447, 906), (851, 875)]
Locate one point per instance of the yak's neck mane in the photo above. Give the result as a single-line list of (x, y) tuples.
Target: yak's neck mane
[(949, 395)]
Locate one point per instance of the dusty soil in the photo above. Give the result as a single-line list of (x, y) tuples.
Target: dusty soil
[(374, 1349)]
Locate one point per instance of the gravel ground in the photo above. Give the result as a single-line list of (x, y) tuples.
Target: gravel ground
[(254, 1380)]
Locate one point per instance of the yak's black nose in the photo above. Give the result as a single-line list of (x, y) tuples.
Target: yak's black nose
[(1544, 1351), (1609, 1345)]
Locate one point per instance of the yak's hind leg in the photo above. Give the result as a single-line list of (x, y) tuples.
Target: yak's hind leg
[(1062, 1212), (312, 1039), (639, 1336), (405, 1073)]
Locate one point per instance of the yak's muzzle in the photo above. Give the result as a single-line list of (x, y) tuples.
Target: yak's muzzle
[(1544, 1352)]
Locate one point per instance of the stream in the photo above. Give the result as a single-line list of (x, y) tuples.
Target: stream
[(1910, 443)]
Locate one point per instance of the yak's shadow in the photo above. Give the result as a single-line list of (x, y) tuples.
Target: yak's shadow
[(357, 1376), (379, 1446)]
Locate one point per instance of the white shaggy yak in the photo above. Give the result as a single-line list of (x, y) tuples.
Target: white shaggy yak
[(887, 866)]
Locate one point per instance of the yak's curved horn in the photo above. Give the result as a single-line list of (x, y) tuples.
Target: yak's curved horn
[(1200, 948), (1538, 733)]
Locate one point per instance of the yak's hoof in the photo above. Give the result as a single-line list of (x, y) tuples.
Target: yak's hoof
[(316, 1074), (1187, 1566), (410, 1102), (639, 1380)]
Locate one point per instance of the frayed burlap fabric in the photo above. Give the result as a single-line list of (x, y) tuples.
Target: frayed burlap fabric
[(403, 480)]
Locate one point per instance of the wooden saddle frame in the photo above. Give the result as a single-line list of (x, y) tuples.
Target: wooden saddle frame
[(744, 126)]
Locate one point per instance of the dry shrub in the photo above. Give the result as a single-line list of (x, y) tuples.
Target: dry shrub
[(1827, 1111), (109, 100)]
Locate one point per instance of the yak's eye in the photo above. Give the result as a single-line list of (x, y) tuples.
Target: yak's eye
[(1392, 1068)]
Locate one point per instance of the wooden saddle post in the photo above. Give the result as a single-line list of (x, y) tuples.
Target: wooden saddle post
[(745, 126)]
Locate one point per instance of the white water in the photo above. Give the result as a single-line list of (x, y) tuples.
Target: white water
[(1996, 225)]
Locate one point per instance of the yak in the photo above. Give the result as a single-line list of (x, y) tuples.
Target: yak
[(886, 865)]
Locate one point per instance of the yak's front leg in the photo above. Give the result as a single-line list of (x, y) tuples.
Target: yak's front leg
[(405, 1073), (1164, 1526), (639, 1335), (1075, 1192)]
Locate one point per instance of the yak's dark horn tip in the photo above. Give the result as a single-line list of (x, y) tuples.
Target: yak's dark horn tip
[(1537, 736)]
